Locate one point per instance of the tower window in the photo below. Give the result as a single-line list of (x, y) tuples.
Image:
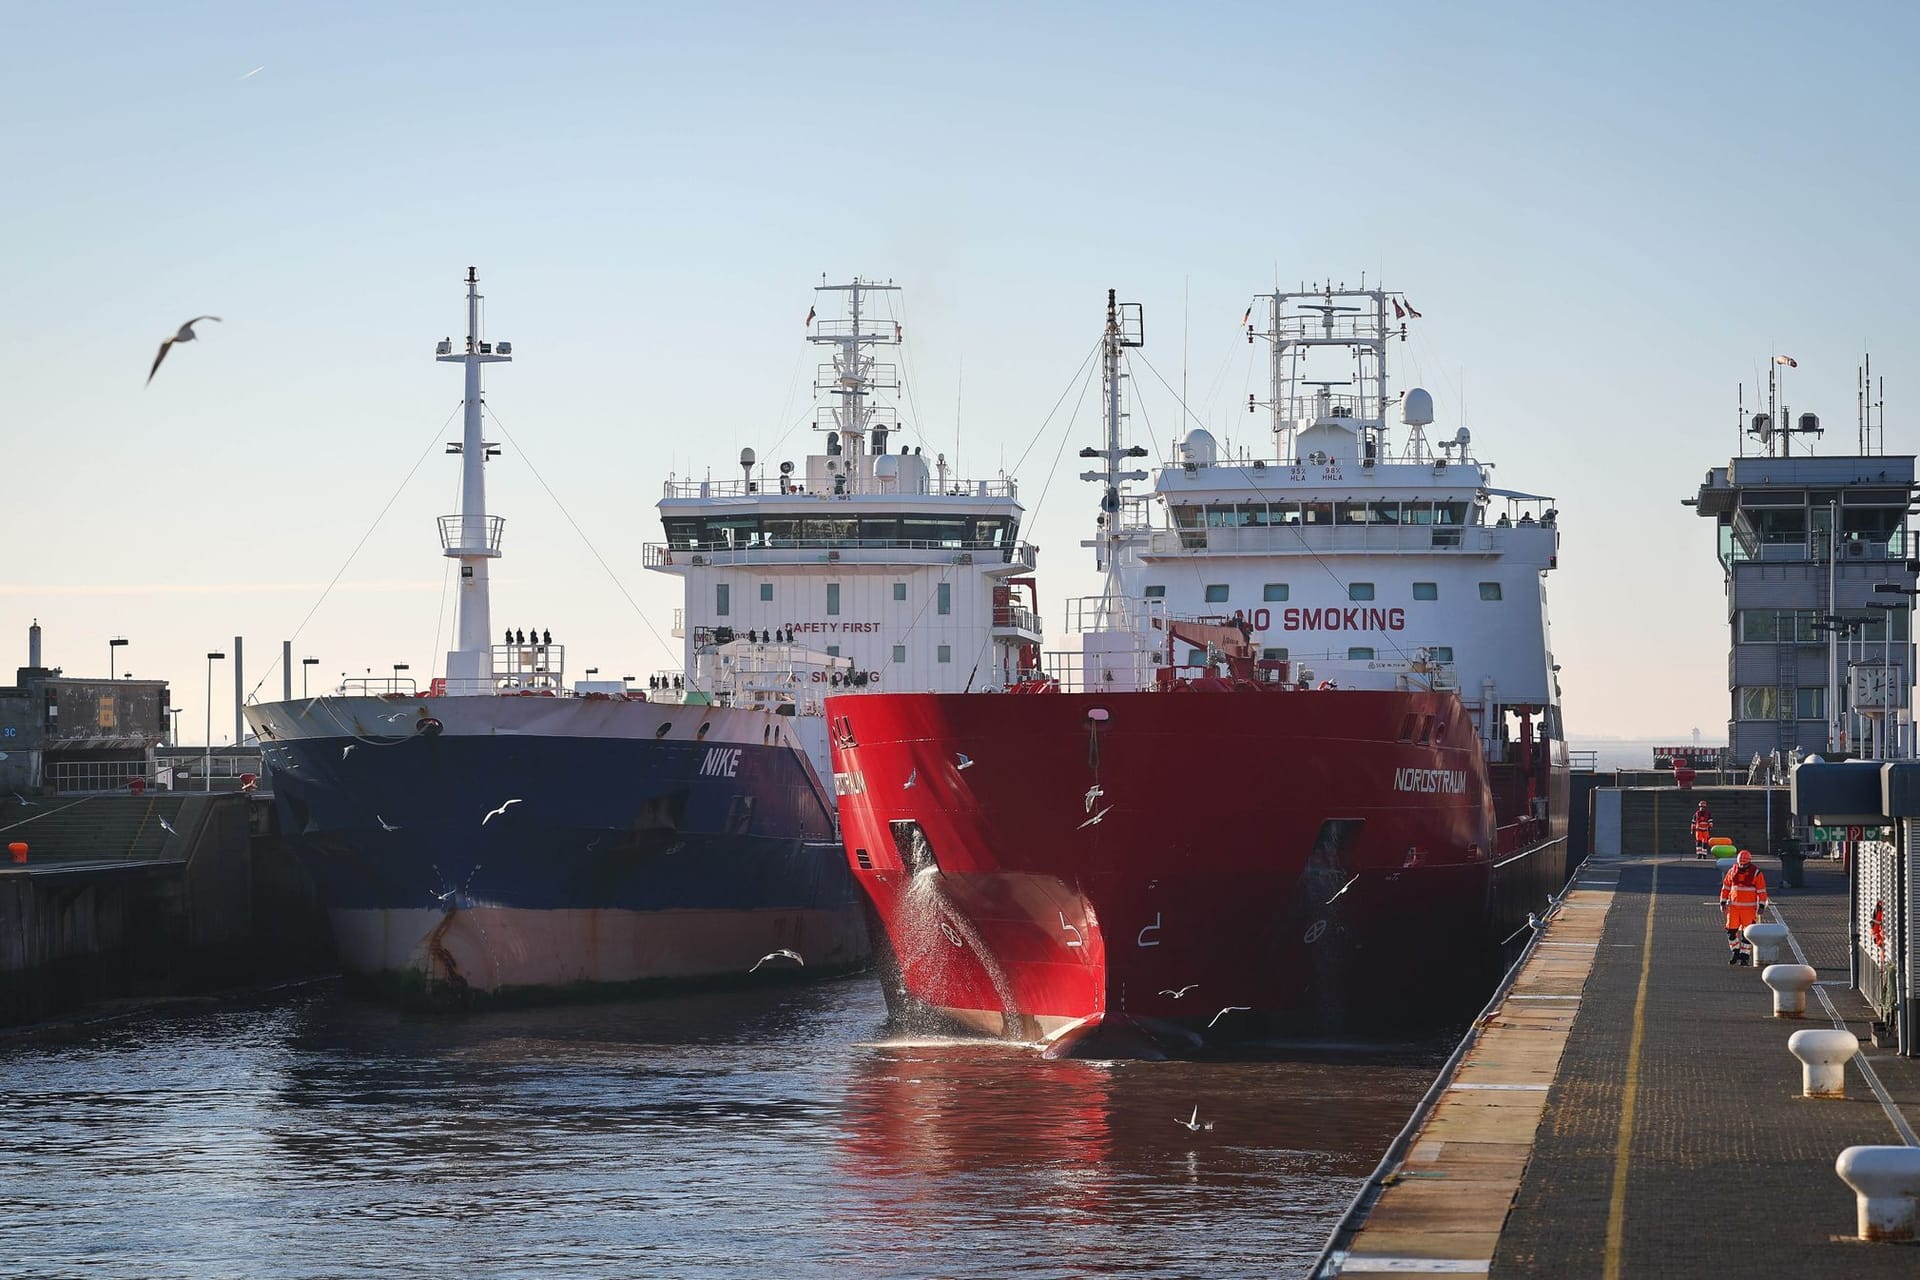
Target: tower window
[(722, 599), (1217, 593), (1359, 591), (1426, 591), (833, 598)]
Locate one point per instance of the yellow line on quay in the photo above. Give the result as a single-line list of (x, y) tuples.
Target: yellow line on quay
[(1623, 1146)]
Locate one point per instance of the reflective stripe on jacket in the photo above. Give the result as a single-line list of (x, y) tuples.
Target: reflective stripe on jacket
[(1743, 887)]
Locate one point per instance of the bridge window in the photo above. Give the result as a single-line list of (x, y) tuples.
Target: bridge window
[(1216, 593), (831, 532), (833, 598), (943, 598), (1196, 657), (1155, 591), (781, 531), (683, 534), (879, 531), (1426, 591), (1440, 653), (722, 599), (1360, 653), (933, 531), (944, 653), (1273, 655), (766, 591), (1490, 591), (1359, 591), (1274, 591), (990, 533)]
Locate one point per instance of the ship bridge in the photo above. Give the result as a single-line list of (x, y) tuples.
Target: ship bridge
[(912, 576)]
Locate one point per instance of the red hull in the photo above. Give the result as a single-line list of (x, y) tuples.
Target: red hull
[(1192, 866)]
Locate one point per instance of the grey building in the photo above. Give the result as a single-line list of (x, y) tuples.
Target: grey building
[(76, 734), (1803, 542)]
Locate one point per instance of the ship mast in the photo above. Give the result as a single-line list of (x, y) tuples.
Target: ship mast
[(853, 376), (471, 536), (1126, 327)]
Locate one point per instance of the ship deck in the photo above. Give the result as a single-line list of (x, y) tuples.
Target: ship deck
[(1629, 1107)]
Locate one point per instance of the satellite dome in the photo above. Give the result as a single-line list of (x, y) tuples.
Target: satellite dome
[(1200, 448), (1417, 411)]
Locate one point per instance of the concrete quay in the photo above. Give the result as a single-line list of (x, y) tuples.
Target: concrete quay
[(1629, 1107), (155, 895)]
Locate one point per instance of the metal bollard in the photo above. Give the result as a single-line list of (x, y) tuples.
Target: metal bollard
[(1790, 983), (1887, 1182), (1769, 943), (1824, 1056)]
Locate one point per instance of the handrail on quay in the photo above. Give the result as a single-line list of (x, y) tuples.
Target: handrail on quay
[(1369, 1193)]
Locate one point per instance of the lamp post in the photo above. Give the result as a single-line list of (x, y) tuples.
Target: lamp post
[(1886, 647), (398, 667), (304, 664), (207, 758), (112, 664)]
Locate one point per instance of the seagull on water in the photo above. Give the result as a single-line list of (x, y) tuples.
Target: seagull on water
[(1232, 1008), (966, 761), (186, 334), (1342, 889), (1193, 1122), (1166, 991), (781, 954), (388, 826), (495, 813)]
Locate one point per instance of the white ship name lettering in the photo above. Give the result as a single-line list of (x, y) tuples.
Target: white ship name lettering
[(1356, 619), (1453, 781), (721, 762)]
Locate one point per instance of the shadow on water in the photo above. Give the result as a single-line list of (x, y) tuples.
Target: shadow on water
[(745, 1133)]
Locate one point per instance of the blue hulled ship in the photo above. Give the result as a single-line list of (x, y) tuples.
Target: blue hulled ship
[(505, 834)]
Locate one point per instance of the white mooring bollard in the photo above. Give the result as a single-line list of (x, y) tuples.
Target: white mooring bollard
[(1825, 1055), (1769, 943), (1790, 983), (1887, 1180)]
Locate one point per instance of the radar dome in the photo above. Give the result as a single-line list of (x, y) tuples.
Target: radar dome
[(1200, 448), (1418, 409)]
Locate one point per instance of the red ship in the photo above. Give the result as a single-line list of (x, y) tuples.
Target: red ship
[(1322, 811)]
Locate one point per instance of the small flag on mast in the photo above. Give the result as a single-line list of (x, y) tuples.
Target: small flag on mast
[(896, 331), (1412, 312), (1788, 361), (1399, 312), (1247, 318), (809, 323)]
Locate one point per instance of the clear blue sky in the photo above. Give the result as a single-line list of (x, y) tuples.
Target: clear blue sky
[(1610, 216)]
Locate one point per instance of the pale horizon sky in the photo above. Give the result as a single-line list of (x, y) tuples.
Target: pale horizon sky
[(1610, 219)]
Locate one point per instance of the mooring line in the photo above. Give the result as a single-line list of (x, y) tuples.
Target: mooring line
[(1623, 1146)]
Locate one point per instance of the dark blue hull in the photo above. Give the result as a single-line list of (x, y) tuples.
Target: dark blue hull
[(515, 863)]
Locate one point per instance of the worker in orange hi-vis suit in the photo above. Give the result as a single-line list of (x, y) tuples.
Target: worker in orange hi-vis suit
[(1702, 830), (1743, 895)]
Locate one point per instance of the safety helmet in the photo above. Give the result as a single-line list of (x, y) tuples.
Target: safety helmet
[(1744, 858)]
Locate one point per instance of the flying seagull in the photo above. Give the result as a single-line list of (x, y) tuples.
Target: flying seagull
[(1094, 821), (1342, 889), (911, 779), (186, 334), (966, 761), (167, 827), (1094, 792), (346, 751), (1165, 991), (1193, 1122), (389, 826), (1232, 1008), (251, 74), (495, 813), (781, 954)]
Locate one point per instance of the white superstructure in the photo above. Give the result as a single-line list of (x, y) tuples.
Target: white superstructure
[(862, 566), (1350, 562)]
